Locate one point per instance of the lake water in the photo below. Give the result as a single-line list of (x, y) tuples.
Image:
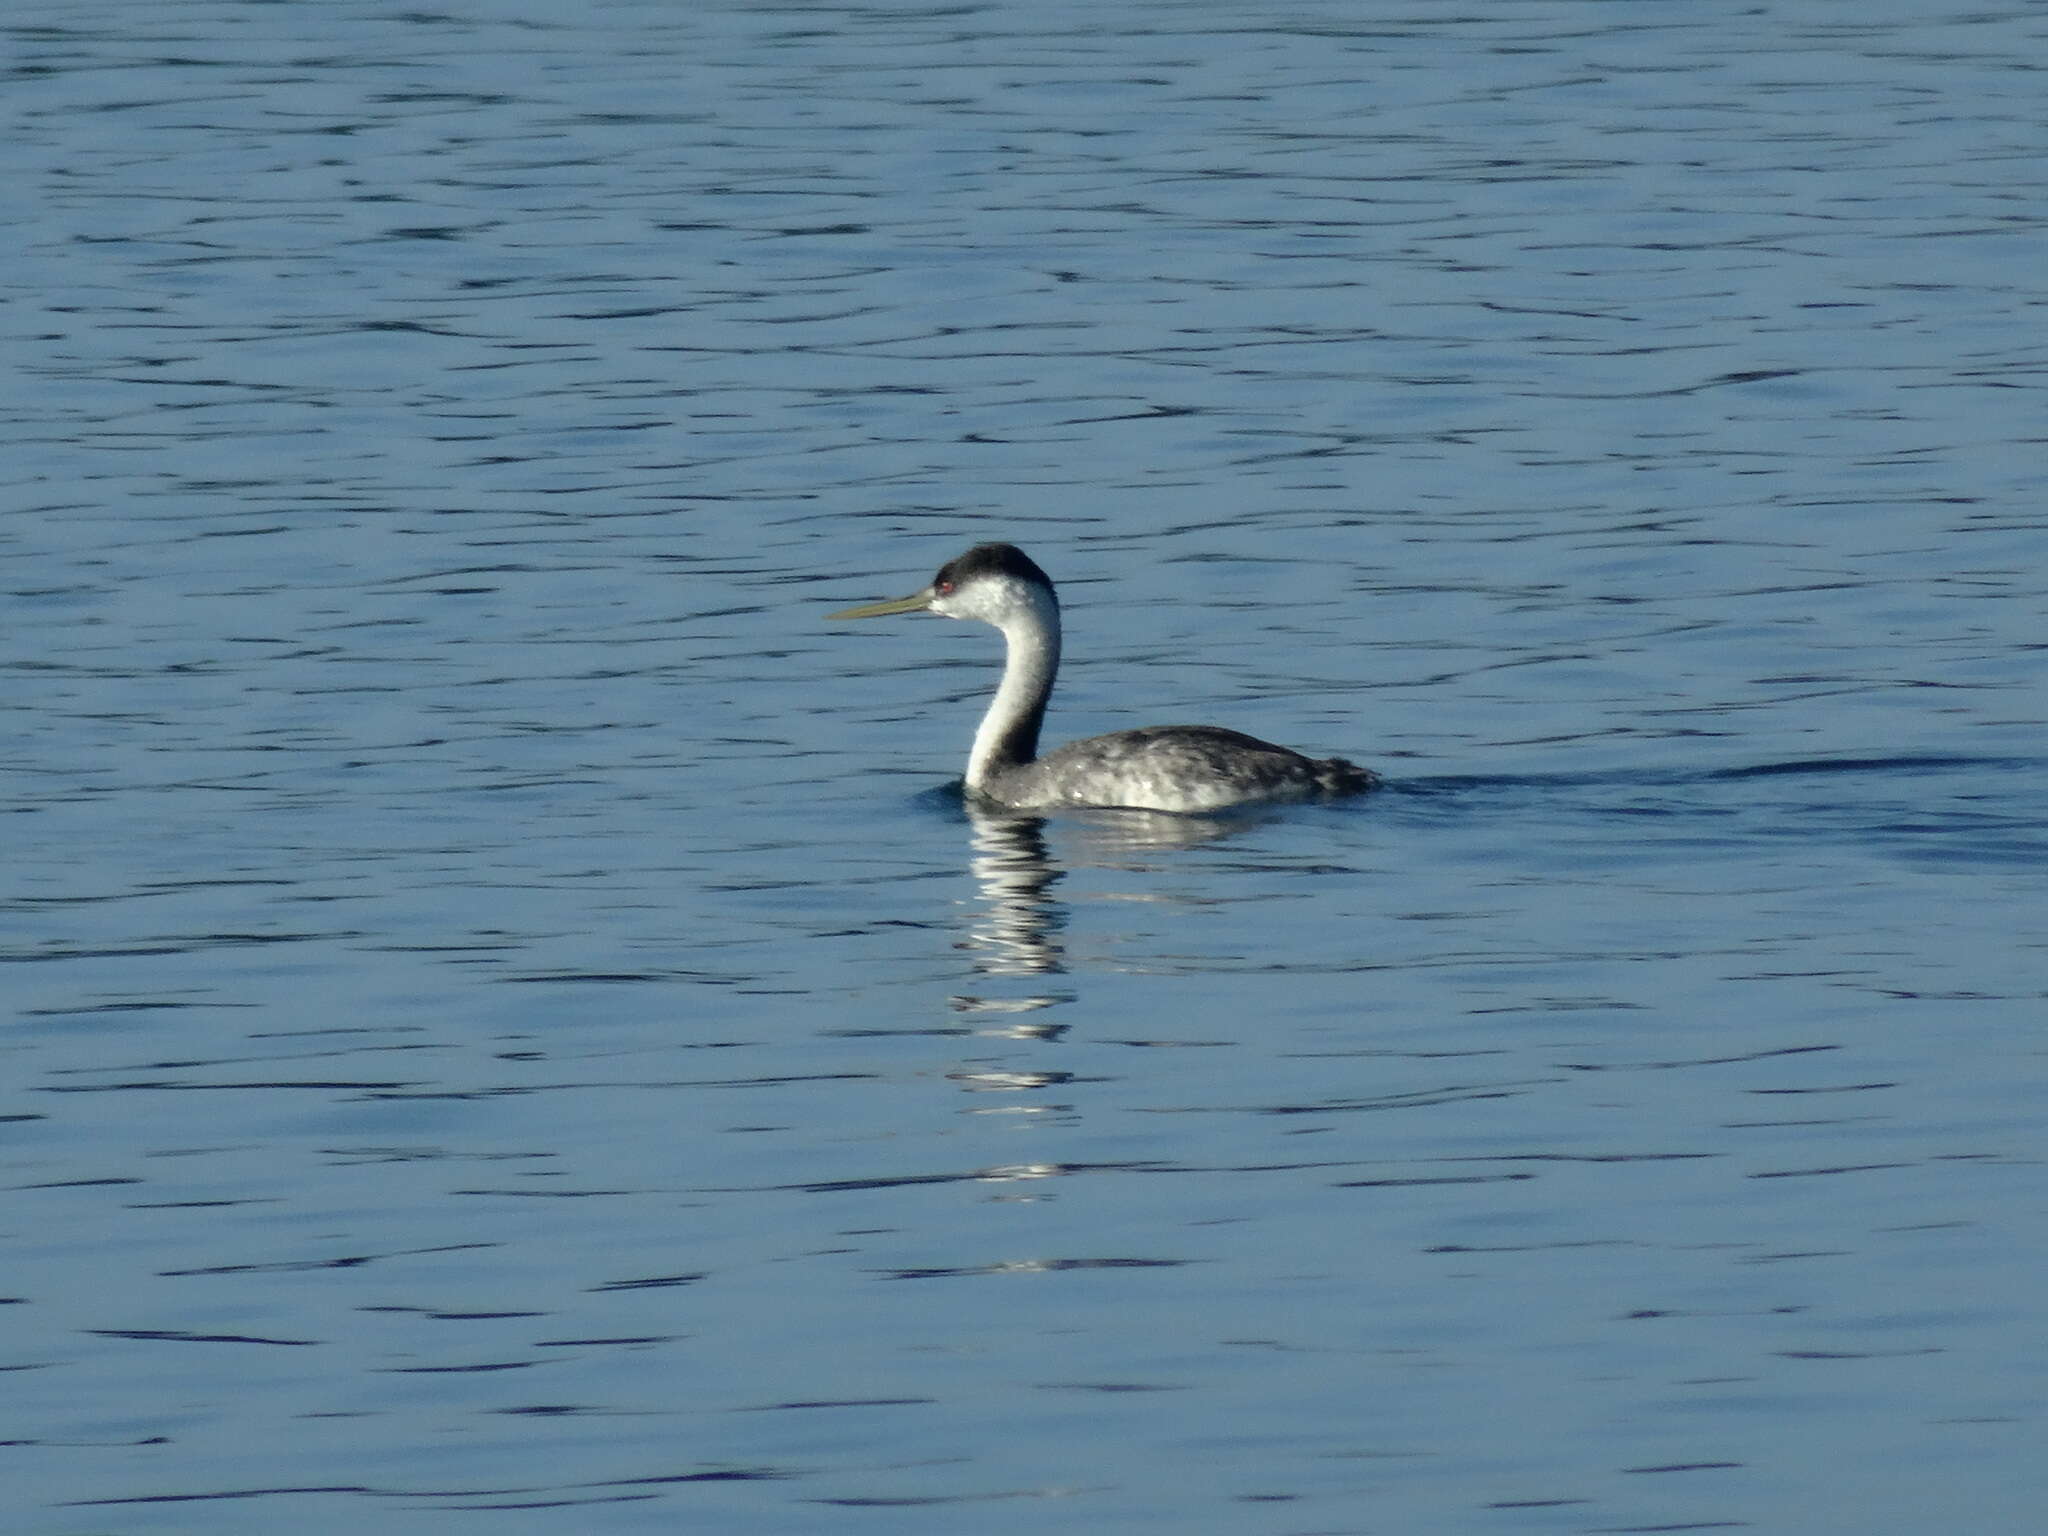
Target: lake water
[(507, 1027)]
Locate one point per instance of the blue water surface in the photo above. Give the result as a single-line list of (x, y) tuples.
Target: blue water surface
[(507, 1027)]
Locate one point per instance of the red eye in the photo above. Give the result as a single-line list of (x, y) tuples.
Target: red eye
[(945, 588)]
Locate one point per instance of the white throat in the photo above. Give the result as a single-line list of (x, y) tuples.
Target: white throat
[(1029, 618)]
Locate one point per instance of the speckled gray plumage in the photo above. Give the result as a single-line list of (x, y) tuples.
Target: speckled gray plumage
[(1173, 768)]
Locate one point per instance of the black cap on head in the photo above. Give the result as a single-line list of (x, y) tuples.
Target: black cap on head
[(990, 560)]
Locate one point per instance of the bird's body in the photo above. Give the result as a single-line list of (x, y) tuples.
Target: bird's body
[(1186, 768)]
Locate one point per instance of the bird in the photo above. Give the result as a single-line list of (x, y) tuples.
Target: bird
[(1189, 769)]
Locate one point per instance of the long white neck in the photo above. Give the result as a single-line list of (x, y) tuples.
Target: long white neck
[(1008, 736)]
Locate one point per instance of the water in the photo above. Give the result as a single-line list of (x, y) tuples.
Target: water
[(506, 1026)]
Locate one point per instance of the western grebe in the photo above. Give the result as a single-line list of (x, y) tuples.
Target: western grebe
[(1156, 768)]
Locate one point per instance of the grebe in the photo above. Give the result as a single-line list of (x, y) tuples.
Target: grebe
[(1156, 768)]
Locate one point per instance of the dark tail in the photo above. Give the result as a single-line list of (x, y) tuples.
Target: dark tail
[(1336, 776)]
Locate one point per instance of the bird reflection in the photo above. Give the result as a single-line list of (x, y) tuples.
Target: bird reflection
[(1017, 929), (1017, 924), (1015, 932)]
